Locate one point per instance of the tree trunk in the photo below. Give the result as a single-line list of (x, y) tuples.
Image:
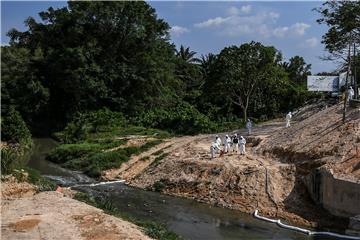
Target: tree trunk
[(355, 74), (346, 83)]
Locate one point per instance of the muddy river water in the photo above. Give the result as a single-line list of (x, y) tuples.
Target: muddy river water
[(188, 218)]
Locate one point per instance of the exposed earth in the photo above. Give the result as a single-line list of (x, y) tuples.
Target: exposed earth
[(53, 215), (268, 178)]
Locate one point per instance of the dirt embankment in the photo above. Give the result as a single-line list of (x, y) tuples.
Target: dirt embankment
[(267, 178), (51, 215)]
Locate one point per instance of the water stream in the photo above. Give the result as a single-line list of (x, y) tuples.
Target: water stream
[(188, 218)]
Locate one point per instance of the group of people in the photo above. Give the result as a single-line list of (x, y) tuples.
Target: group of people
[(233, 143)]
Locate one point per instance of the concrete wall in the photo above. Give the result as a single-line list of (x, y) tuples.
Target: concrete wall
[(340, 197)]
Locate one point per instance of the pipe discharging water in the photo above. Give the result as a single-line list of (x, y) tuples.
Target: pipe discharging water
[(96, 184), (302, 230)]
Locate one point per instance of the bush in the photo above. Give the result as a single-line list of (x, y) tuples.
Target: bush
[(14, 129), (67, 152), (8, 160), (92, 122), (103, 161), (181, 119)]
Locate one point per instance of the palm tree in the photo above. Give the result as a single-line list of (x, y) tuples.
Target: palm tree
[(207, 62), (186, 55)]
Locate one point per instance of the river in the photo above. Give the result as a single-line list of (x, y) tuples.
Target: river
[(187, 218)]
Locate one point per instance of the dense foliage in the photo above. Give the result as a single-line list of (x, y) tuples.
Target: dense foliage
[(116, 57)]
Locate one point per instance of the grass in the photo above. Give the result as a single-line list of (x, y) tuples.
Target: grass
[(152, 229), (92, 157), (130, 130), (34, 177)]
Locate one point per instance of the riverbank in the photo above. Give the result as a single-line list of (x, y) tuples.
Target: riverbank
[(266, 179), (52, 215)]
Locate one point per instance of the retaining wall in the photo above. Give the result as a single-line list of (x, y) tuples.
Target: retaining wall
[(338, 196)]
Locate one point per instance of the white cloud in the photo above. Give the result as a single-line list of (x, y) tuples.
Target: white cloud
[(177, 30), (246, 9), (236, 25), (236, 11), (311, 42), (297, 29), (261, 24), (300, 28), (211, 22), (280, 31)]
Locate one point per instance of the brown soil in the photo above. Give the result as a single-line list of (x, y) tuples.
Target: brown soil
[(51, 215), (268, 178), (24, 225)]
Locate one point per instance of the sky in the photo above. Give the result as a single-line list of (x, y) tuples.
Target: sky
[(208, 27)]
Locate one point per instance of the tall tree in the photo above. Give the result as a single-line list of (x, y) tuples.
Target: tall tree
[(297, 69), (95, 54), (241, 70), (186, 54)]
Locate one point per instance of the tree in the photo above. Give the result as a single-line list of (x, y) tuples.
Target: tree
[(241, 70), (101, 54), (343, 19), (21, 84), (186, 55), (298, 70)]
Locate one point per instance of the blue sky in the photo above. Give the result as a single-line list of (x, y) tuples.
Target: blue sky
[(210, 26)]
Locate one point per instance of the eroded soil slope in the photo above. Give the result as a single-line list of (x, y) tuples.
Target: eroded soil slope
[(268, 178)]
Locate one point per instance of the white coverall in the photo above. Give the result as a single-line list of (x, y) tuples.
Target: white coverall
[(350, 93), (249, 126), (288, 119), (218, 141), (242, 146), (227, 142), (214, 149)]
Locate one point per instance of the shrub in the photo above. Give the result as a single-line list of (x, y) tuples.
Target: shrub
[(92, 122), (14, 129), (8, 160), (182, 118), (105, 160), (66, 152)]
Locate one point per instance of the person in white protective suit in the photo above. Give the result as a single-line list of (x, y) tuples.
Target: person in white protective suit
[(350, 93), (227, 143), (288, 119), (218, 140), (235, 142), (242, 145), (214, 149), (249, 126)]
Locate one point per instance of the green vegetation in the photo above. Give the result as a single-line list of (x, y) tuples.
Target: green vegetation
[(18, 140), (158, 186), (94, 155), (106, 90), (34, 177), (152, 229)]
